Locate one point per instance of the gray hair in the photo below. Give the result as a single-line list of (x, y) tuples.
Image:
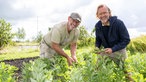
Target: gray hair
[(103, 5)]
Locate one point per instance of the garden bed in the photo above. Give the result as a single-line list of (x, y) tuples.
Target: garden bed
[(19, 64)]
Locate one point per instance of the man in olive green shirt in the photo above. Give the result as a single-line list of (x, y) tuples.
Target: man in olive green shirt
[(61, 35)]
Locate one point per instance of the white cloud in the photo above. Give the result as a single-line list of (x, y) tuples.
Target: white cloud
[(134, 33), (35, 15)]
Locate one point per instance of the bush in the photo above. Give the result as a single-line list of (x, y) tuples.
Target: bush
[(5, 33)]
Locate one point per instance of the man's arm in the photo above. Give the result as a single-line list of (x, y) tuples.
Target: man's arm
[(124, 37), (73, 47), (57, 48)]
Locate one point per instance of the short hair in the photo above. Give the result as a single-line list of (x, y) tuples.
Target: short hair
[(102, 5)]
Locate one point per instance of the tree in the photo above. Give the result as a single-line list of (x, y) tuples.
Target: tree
[(39, 37), (85, 39), (93, 32), (20, 33), (5, 33), (49, 28), (83, 33)]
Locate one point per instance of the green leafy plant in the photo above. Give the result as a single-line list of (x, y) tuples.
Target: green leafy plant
[(5, 33), (7, 72)]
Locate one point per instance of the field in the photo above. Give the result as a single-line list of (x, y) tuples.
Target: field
[(24, 65)]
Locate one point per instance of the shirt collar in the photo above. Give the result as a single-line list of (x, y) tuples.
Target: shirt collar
[(108, 24)]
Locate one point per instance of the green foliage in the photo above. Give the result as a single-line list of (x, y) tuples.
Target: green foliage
[(137, 67), (98, 50), (90, 67), (137, 45), (36, 72), (18, 52), (84, 39), (39, 37), (49, 28), (43, 70), (93, 32), (20, 33), (7, 72), (5, 33), (83, 33)]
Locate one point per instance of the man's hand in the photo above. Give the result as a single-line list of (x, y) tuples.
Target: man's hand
[(74, 58), (108, 50), (73, 47), (69, 60)]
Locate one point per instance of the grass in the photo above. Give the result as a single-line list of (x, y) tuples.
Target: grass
[(26, 43), (17, 53)]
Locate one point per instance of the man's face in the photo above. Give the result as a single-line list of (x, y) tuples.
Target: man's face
[(103, 14), (73, 23)]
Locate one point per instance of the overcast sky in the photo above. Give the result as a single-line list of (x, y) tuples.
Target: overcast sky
[(38, 15)]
